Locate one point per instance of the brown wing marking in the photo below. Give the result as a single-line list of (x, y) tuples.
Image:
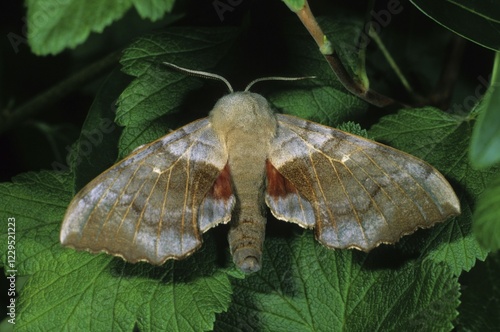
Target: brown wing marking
[(285, 201)]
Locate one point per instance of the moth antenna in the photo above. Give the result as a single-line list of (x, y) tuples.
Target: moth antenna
[(202, 74), (276, 78)]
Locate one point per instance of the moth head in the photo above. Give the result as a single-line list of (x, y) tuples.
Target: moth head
[(241, 111)]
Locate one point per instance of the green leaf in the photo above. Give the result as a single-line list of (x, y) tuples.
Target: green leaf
[(54, 25), (305, 287), (485, 142), (442, 140), (476, 20), (69, 290), (37, 202), (323, 104), (153, 9), (480, 300), (353, 128), (487, 216), (96, 148), (158, 91)]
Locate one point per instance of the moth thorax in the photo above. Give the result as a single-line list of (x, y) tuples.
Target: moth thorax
[(243, 112)]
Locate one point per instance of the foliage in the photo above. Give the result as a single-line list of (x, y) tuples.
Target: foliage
[(485, 142), (416, 284)]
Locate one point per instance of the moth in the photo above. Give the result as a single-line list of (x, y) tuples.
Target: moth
[(155, 204)]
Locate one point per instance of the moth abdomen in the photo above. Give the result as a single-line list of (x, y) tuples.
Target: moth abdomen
[(246, 238)]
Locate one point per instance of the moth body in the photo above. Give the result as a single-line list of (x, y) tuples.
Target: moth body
[(246, 125)]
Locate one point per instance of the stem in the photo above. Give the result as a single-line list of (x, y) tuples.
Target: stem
[(9, 118), (360, 70), (355, 88), (307, 18), (392, 63)]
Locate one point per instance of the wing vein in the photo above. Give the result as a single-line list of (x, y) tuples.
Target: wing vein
[(395, 183), (375, 205), (322, 192), (186, 195), (98, 204), (143, 210), (138, 191), (162, 213), (118, 198), (351, 204)]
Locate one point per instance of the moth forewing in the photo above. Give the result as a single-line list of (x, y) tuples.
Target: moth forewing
[(363, 193), (145, 208)]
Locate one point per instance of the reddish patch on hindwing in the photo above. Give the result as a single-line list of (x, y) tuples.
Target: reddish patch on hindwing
[(277, 184), (221, 188)]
